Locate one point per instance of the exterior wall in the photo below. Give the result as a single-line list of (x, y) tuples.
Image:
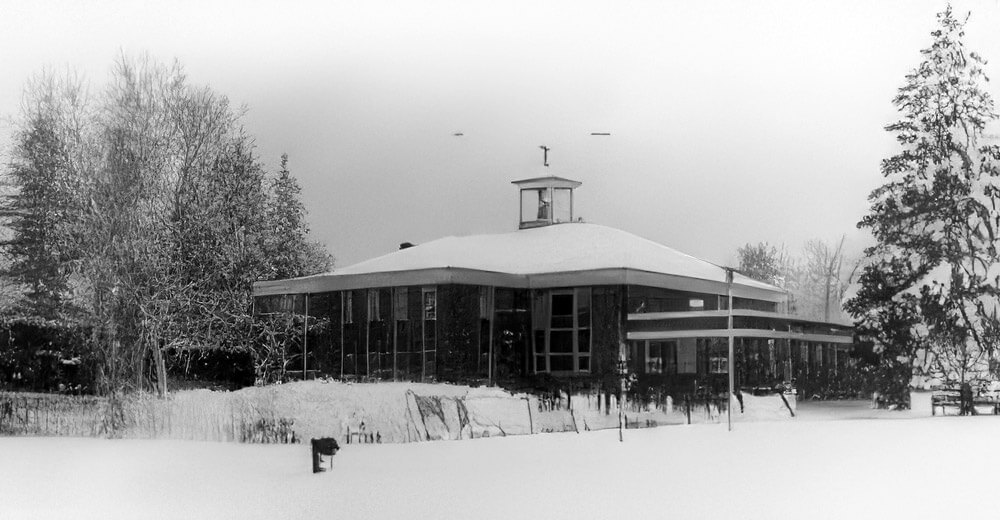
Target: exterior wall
[(655, 299), (690, 367), (324, 334), (459, 348), (609, 303), (479, 334), (762, 365)]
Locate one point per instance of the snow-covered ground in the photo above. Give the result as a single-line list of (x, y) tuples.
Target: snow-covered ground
[(920, 467)]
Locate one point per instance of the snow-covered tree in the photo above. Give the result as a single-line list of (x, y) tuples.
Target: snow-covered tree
[(38, 200), (762, 262), (291, 253), (152, 203), (823, 280), (928, 294)]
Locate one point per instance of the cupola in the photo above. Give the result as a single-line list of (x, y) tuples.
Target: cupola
[(545, 201)]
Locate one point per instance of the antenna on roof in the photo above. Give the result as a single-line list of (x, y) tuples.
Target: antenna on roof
[(545, 157)]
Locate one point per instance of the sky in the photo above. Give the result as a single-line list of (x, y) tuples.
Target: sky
[(731, 122)]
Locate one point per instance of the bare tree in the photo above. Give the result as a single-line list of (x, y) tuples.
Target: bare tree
[(824, 278), (169, 217)]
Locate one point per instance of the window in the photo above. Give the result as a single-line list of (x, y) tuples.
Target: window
[(399, 298), (654, 357), (687, 356), (535, 204), (718, 365), (373, 311), (786, 355), (348, 307), (429, 335), (772, 358), (485, 303), (430, 304), (561, 206), (562, 331), (661, 357)]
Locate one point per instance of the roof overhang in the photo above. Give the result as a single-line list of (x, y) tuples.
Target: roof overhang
[(454, 275)]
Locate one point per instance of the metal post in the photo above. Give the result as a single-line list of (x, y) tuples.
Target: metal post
[(395, 333), (305, 338), (342, 323), (368, 332), (492, 313), (622, 358), (729, 291)]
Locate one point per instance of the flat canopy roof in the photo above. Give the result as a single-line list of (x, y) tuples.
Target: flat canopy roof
[(550, 181), (560, 255)]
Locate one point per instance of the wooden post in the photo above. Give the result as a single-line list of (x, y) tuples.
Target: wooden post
[(531, 423)]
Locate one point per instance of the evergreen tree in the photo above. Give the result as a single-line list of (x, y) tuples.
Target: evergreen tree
[(39, 201), (291, 253), (928, 293)]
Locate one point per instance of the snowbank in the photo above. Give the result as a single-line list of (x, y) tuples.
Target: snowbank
[(381, 412), (760, 470)]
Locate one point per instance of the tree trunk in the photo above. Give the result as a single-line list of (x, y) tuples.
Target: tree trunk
[(161, 372)]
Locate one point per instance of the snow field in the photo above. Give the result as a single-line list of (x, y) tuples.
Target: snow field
[(915, 468)]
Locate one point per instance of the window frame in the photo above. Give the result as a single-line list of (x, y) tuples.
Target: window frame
[(718, 364), (666, 367), (400, 301), (347, 307), (545, 354), (430, 315), (373, 305)]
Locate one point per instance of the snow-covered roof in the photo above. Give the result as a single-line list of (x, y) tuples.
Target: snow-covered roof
[(547, 181), (549, 256)]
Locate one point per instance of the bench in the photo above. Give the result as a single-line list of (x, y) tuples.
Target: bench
[(951, 399)]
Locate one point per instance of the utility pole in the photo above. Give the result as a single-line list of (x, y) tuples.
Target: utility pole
[(622, 359), (545, 156), (730, 368)]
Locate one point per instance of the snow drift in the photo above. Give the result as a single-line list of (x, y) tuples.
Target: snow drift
[(383, 412)]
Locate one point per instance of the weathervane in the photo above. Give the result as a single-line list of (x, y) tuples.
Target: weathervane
[(545, 158)]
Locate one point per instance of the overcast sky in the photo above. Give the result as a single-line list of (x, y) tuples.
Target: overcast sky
[(730, 121)]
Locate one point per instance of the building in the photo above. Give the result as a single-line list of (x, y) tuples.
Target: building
[(556, 303)]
